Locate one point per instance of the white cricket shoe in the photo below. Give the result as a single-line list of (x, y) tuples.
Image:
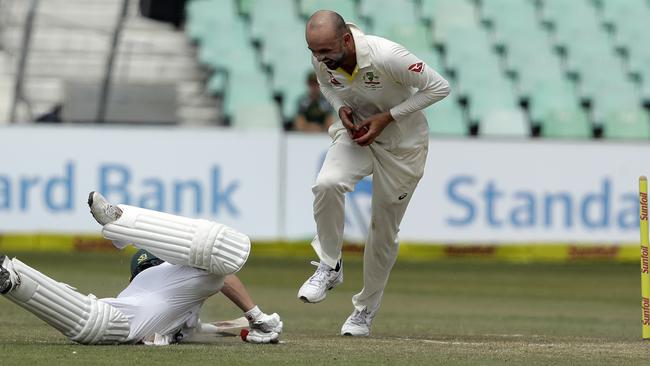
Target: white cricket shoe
[(325, 278), (8, 277), (102, 210), (358, 324)]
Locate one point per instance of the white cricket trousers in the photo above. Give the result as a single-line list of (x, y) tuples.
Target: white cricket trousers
[(395, 173)]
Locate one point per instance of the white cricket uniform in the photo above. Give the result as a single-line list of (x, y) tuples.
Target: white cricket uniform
[(387, 78), (163, 300)]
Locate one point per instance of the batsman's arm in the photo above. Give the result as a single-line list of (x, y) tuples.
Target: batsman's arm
[(259, 322), (235, 290)]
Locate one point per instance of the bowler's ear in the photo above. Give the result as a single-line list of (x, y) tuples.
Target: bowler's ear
[(347, 38)]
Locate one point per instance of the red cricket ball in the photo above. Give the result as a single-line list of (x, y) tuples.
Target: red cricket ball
[(360, 132), (243, 334)]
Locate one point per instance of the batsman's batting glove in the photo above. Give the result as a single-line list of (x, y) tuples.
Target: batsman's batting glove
[(265, 329), (267, 323), (259, 337)]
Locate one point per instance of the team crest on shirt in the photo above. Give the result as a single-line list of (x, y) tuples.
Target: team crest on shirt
[(417, 67), (371, 81)]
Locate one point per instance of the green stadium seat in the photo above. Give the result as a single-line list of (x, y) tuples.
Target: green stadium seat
[(261, 115), (547, 97), (484, 97), (289, 59), (521, 35), (246, 6), (574, 35), (478, 72), (290, 100), (534, 69), (226, 51), (633, 40), (217, 83), (289, 80), (387, 13), (204, 15), (627, 124), (625, 97), (446, 118), (629, 13), (347, 9), (639, 60), (467, 47), (504, 123), (446, 15), (506, 11), (249, 91), (284, 46), (574, 11), (569, 123), (645, 91), (269, 18), (415, 37), (618, 12)]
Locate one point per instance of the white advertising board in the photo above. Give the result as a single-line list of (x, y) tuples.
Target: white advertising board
[(487, 191), (473, 191), (224, 175)]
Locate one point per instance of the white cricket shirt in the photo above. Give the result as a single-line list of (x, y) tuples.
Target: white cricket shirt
[(164, 299), (387, 78)]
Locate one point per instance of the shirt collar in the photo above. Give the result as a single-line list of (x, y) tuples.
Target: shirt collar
[(361, 46)]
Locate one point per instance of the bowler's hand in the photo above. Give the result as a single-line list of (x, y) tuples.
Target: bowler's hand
[(345, 114), (374, 125)]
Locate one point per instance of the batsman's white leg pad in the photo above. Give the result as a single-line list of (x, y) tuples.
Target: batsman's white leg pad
[(81, 318), (203, 244)]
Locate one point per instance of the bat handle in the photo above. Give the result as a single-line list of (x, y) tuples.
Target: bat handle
[(208, 328)]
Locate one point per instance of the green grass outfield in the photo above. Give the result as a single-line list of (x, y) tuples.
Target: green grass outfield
[(452, 312)]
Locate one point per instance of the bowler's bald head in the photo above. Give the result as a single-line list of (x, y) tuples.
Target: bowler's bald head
[(329, 39), (327, 23)]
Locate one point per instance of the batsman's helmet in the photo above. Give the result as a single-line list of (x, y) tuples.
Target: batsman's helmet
[(142, 260)]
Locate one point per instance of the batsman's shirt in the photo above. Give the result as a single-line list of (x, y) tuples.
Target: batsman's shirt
[(164, 299), (387, 78)]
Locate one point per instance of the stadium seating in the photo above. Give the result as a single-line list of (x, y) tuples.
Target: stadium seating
[(347, 9), (283, 51), (519, 67), (554, 108), (446, 118), (627, 124), (6, 89), (70, 42)]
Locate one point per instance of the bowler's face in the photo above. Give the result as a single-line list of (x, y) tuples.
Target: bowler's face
[(326, 48)]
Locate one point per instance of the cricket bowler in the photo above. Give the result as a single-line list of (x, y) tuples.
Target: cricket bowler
[(379, 89)]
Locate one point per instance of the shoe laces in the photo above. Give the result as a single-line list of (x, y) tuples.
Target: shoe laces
[(5, 281), (10, 279), (361, 317), (113, 212), (322, 274)]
